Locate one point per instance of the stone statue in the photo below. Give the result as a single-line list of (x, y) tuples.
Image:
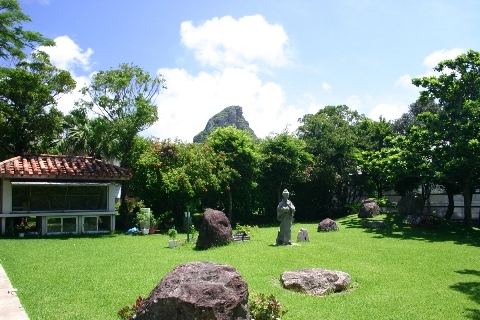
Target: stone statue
[(285, 212)]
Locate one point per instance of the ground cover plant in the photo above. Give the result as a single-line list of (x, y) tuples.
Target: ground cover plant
[(398, 272)]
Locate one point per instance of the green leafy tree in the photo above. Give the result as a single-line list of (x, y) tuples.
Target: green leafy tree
[(242, 157), (372, 138), (13, 38), (331, 138), (408, 119), (284, 163), (28, 96), (124, 98), (84, 136), (455, 130), (169, 176)]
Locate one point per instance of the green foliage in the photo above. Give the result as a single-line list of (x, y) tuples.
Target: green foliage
[(453, 134), (284, 163), (169, 175), (143, 218), (242, 157), (265, 308), (124, 97), (354, 207), (84, 136), (172, 233), (28, 96), (127, 312), (331, 136), (247, 229), (14, 38)]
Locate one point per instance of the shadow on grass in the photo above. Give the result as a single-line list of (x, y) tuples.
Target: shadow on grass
[(448, 231), (472, 290)]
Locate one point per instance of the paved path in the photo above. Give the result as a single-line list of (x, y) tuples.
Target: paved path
[(10, 307)]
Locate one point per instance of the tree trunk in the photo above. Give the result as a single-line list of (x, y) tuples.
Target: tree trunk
[(451, 205), (230, 206), (467, 206)]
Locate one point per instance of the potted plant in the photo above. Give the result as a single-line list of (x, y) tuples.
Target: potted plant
[(172, 234), (22, 227), (153, 224), (143, 219)]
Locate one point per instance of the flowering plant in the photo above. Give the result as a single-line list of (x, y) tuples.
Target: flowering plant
[(23, 225), (246, 229)]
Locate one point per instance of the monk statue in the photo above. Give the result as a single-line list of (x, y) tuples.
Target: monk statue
[(285, 212)]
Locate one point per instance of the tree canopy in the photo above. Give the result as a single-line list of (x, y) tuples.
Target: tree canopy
[(28, 96), (455, 130), (13, 38)]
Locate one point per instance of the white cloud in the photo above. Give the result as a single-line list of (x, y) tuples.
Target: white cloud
[(405, 81), (67, 54), (326, 86), (185, 107), (434, 58), (67, 102), (353, 102), (387, 111), (227, 42)]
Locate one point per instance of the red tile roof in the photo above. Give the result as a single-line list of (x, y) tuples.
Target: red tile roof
[(61, 167)]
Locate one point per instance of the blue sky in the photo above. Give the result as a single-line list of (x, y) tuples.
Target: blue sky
[(279, 59)]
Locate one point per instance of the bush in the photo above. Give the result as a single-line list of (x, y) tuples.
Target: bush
[(265, 308)]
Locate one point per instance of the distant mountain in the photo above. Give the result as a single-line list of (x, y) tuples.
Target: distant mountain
[(230, 116)]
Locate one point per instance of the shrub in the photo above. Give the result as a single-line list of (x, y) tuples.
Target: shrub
[(265, 308), (127, 312)]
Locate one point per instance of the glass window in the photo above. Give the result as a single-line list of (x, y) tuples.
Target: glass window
[(70, 224), (59, 198), (62, 224), (54, 224), (90, 224)]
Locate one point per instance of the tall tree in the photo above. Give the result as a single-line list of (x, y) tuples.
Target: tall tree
[(28, 96), (284, 163), (242, 157), (373, 136), (331, 138), (168, 176), (124, 98), (408, 119), (84, 136), (13, 38), (456, 128)]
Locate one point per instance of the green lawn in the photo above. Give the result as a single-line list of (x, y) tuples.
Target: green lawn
[(399, 272)]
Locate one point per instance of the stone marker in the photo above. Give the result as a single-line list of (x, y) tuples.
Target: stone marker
[(198, 290), (215, 230), (303, 235), (315, 281)]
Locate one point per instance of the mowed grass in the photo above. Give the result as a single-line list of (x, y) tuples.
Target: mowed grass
[(398, 272)]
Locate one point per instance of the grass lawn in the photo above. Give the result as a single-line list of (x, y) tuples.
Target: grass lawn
[(399, 272)]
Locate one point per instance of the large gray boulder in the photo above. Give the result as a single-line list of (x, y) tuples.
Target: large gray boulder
[(315, 281), (412, 204), (368, 209), (198, 291), (214, 231)]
